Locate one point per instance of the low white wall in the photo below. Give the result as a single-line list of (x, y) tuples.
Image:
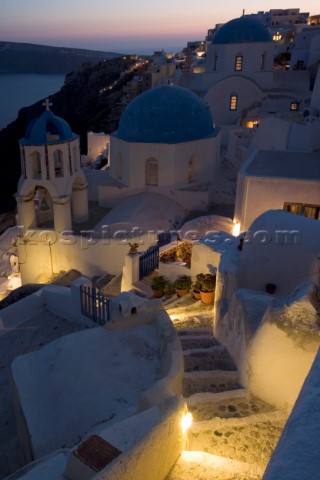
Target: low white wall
[(171, 355), (172, 364), (237, 327), (154, 456), (62, 302), (20, 312), (296, 456), (281, 353), (46, 253)]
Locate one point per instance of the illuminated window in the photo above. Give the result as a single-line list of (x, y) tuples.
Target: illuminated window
[(307, 210), (294, 106), (152, 172), (238, 63), (233, 103), (277, 37), (252, 123)]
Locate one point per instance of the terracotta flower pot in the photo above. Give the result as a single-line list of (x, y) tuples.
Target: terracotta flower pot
[(158, 293), (181, 293), (196, 295), (207, 297)]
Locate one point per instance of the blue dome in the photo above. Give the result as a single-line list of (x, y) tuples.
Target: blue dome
[(242, 30), (165, 115), (47, 124)]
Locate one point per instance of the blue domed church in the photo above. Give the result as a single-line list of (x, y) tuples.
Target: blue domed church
[(52, 187), (239, 67), (166, 143)]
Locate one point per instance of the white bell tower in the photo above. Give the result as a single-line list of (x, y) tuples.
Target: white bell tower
[(52, 185)]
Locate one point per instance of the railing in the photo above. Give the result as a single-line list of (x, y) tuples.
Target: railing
[(164, 238), (148, 261), (94, 305)]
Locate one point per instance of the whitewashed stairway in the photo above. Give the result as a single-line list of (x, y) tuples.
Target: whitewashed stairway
[(233, 434)]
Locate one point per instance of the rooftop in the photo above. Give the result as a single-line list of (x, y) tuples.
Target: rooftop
[(284, 164)]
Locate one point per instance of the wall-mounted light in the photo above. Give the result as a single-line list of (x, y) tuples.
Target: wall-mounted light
[(186, 422), (236, 229)]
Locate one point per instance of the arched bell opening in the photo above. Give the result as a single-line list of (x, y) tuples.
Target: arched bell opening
[(43, 207)]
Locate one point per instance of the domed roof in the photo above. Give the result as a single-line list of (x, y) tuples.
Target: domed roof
[(242, 30), (165, 114), (39, 130)]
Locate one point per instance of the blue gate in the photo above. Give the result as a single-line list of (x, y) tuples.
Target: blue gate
[(164, 238), (148, 261), (94, 305)]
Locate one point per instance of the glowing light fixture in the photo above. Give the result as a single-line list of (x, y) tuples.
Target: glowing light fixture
[(236, 229), (186, 422)]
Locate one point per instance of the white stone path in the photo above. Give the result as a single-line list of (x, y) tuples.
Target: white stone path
[(233, 434)]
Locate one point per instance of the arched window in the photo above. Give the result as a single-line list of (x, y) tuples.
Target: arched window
[(238, 64), (35, 160), (75, 152), (215, 62), (233, 102), (190, 171), (58, 163), (263, 61), (152, 172), (119, 166)]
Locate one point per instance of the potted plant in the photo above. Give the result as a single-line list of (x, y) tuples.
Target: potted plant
[(208, 286), (158, 285), (196, 286), (182, 285), (169, 290)]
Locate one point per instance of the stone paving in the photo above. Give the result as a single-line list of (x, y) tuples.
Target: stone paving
[(233, 433)]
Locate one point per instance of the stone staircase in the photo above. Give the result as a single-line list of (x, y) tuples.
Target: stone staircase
[(233, 433)]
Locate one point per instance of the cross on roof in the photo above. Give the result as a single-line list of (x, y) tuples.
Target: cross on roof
[(47, 104)]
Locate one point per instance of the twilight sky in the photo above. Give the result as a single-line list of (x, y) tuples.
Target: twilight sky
[(124, 25)]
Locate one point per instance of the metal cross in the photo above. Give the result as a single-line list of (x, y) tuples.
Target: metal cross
[(47, 104)]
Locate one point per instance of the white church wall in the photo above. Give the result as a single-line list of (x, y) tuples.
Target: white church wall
[(218, 97), (251, 53)]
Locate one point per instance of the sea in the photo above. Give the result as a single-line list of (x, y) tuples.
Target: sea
[(22, 90)]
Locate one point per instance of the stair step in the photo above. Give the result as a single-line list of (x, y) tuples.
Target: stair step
[(198, 341), (210, 381), (202, 465), (233, 404), (195, 331), (249, 439), (212, 358)]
